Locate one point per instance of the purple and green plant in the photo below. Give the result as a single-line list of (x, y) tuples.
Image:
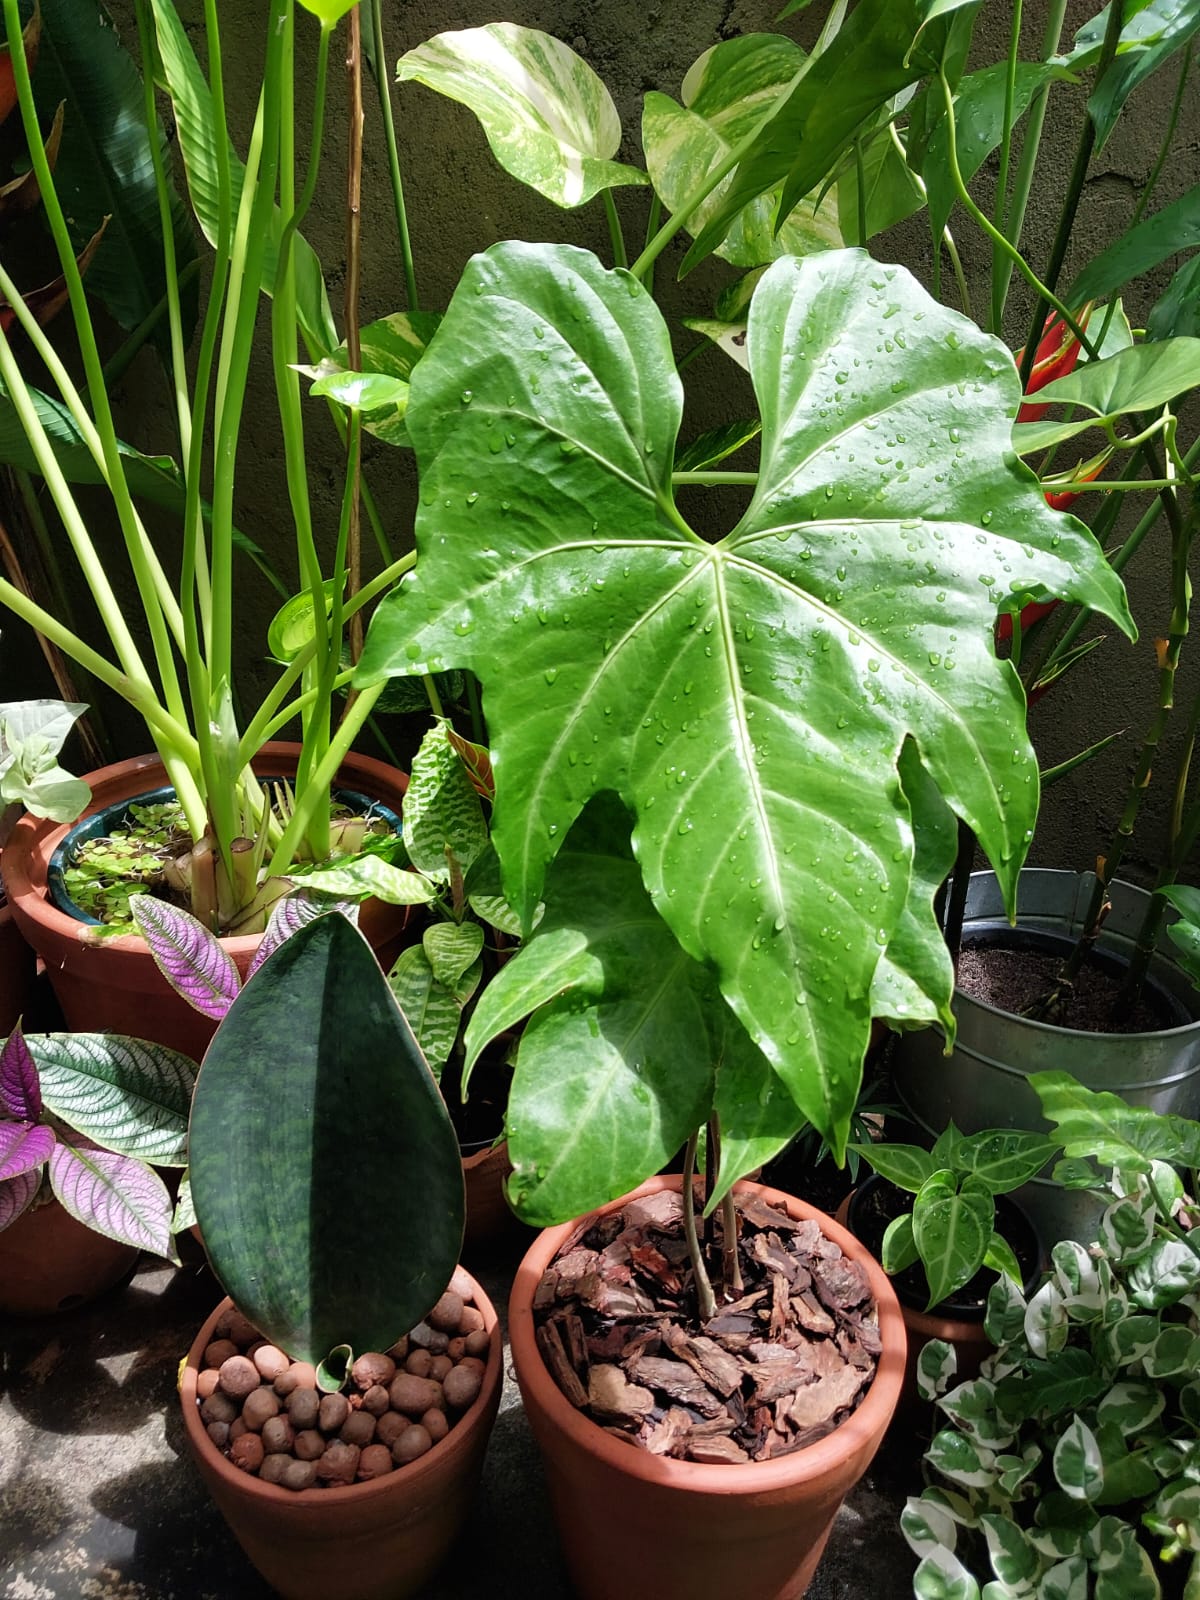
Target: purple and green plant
[(84, 1119)]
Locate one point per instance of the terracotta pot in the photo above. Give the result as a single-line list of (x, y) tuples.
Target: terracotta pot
[(489, 1217), (113, 984), (638, 1527), (18, 966), (368, 1541), (49, 1262), (971, 1343)]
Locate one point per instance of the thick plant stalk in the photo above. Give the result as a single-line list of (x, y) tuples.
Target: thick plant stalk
[(353, 278), (706, 1304)]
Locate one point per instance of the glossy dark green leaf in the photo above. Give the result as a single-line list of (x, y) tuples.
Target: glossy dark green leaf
[(1174, 229), (952, 1228), (750, 698), (1002, 1159), (1101, 1125), (105, 166), (325, 1173), (1148, 40), (891, 189), (1177, 311), (716, 445), (905, 1165)]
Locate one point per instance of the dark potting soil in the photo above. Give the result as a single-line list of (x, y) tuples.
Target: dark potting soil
[(775, 1370), (479, 1121), (877, 1203), (1014, 980)]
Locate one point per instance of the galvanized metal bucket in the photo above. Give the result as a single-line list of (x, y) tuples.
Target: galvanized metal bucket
[(983, 1082)]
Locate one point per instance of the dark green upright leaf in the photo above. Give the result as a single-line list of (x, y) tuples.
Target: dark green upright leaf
[(105, 167), (1177, 311), (1168, 232), (325, 1173), (748, 699), (1149, 39)]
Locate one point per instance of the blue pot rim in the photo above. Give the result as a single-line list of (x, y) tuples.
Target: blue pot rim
[(110, 818)]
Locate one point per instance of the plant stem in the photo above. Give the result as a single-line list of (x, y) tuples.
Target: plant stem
[(615, 231), (750, 478), (353, 278), (1066, 217), (731, 1268), (706, 1304), (1002, 260), (1010, 95), (393, 155)]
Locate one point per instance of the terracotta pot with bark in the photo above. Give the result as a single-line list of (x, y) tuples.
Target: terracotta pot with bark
[(638, 1526), (380, 1540), (113, 984)]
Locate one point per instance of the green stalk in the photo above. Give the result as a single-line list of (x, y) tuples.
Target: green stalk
[(1002, 261), (861, 186), (715, 477), (141, 557), (1010, 95), (393, 155), (706, 1304), (615, 232), (120, 362), (322, 776), (1164, 149), (1066, 217)]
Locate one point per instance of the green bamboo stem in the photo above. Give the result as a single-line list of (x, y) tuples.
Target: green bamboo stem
[(393, 156), (1026, 169)]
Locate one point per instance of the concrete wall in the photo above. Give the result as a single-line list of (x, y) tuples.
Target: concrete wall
[(460, 202)]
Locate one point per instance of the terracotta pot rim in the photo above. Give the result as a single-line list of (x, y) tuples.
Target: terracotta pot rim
[(811, 1461), (34, 839), (357, 1494)]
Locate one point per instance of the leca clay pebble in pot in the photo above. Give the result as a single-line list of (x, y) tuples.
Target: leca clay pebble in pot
[(358, 1494)]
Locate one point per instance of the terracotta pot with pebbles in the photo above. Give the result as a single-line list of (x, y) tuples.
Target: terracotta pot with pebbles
[(343, 1451), (649, 1428)]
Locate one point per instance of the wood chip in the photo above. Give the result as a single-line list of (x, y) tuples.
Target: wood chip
[(761, 1215), (821, 1401), (662, 1211), (717, 1452), (671, 1435), (719, 1370), (654, 1265), (840, 1284), (613, 1397), (811, 1315), (676, 1379), (550, 1347)]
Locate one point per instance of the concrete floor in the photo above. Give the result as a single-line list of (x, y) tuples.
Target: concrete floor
[(99, 1499)]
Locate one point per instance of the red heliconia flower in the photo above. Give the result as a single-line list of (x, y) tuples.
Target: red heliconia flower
[(1033, 612), (1057, 354)]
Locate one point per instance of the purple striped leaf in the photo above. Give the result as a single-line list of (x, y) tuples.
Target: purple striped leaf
[(24, 1147), (117, 1196), (290, 915), (16, 1196), (191, 958), (20, 1092)]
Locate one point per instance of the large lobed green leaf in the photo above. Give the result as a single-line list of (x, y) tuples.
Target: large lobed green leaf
[(324, 1170), (749, 699), (548, 118)]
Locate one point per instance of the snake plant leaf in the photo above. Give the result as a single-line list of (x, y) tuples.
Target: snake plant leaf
[(724, 94), (433, 1011), (874, 55), (24, 1147), (325, 1173), (127, 1095), (105, 166), (180, 76), (17, 1195), (549, 120), (291, 913), (442, 810), (20, 1092), (114, 1195), (748, 699), (191, 958), (615, 1068)]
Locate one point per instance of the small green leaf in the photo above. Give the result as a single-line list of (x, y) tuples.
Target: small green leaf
[(1005, 1317), (1102, 1126), (1177, 310), (433, 1011), (891, 189), (361, 391), (334, 1370), (905, 1165), (899, 1248), (952, 1228), (1002, 1159), (185, 1211), (452, 947), (1000, 1257), (360, 876), (292, 628), (1141, 378), (1168, 232), (1078, 1466), (549, 120)]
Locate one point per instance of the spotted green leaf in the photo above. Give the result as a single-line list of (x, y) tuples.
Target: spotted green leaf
[(550, 121), (724, 94), (360, 876), (618, 649)]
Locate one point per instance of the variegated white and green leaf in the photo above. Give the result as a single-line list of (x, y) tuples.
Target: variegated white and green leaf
[(1168, 1271), (495, 910), (1005, 1317), (548, 118), (727, 336), (443, 815), (1075, 1272), (1017, 1471), (1078, 1465), (452, 947), (433, 1013), (361, 876), (1127, 1227), (942, 1576), (927, 1526), (936, 1366), (973, 1407), (1014, 1560), (1175, 1351), (1046, 1321), (1131, 1406), (724, 94), (961, 1460), (1066, 1580)]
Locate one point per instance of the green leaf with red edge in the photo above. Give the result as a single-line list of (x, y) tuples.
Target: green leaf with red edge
[(749, 699)]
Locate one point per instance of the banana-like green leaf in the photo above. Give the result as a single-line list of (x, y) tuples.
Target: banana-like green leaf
[(724, 95), (315, 1113), (830, 99), (547, 116), (1177, 311), (434, 1012), (114, 1195), (748, 699), (1174, 229), (442, 811), (891, 190), (105, 167), (191, 101), (127, 1095)]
